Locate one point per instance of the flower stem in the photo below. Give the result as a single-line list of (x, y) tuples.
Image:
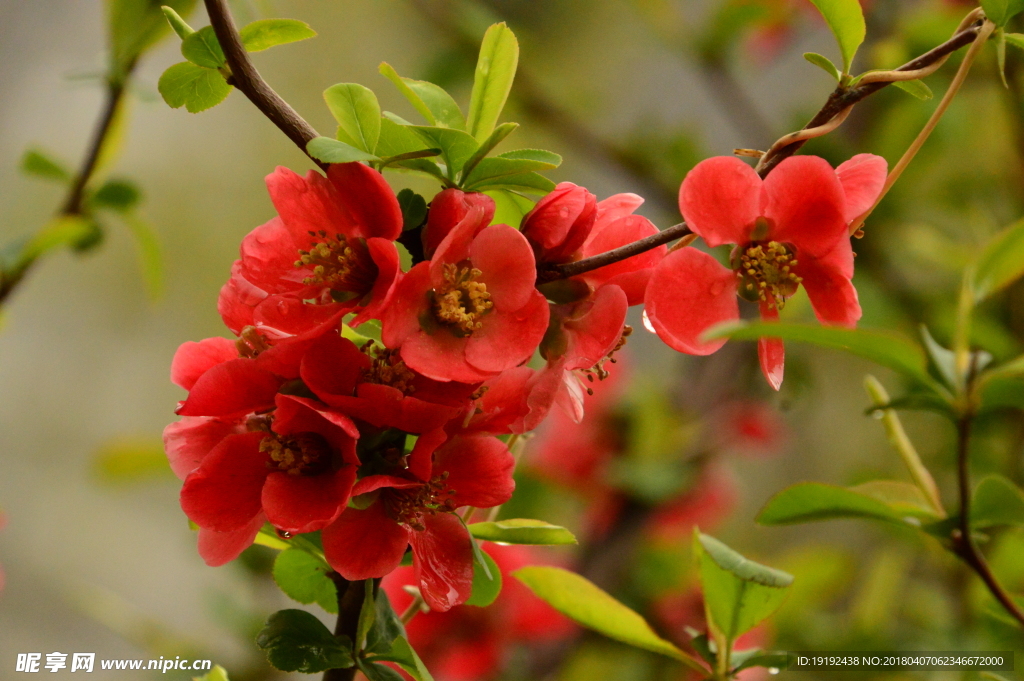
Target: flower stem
[(350, 602)]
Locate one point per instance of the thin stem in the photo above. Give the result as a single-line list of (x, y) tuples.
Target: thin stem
[(414, 609), (350, 602), (246, 78), (926, 131), (571, 269)]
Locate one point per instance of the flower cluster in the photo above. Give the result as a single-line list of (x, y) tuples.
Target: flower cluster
[(378, 442)]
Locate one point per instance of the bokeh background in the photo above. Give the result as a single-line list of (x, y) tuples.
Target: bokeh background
[(96, 553)]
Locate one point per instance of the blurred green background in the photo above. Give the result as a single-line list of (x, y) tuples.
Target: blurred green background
[(97, 554)]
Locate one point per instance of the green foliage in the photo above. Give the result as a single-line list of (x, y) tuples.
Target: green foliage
[(510, 208), (40, 164), (194, 87), (358, 114), (811, 501), (378, 672), (495, 71), (1000, 263), (129, 461), (1001, 11), (486, 581), (845, 19), (266, 33), (78, 232), (529, 183), (738, 593), (332, 151), (824, 63), (456, 146), (579, 599), (296, 641), (202, 49), (997, 501), (889, 350), (431, 101), (135, 26), (522, 531), (493, 140), (180, 27), (403, 654), (218, 673), (117, 195), (303, 577), (489, 169), (917, 88), (1015, 39), (414, 209)]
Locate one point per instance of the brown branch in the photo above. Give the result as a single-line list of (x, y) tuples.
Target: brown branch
[(350, 602), (246, 78), (571, 269)]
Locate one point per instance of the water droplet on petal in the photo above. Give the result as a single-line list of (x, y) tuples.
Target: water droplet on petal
[(773, 670), (647, 323)]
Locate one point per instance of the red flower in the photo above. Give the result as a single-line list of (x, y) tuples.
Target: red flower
[(416, 505), (468, 643), (448, 209), (298, 471), (472, 311), (789, 229)]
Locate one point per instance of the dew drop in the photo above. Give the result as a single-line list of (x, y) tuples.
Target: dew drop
[(773, 670), (284, 535), (878, 414), (647, 323)]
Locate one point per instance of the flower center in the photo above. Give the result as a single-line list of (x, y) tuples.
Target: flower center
[(462, 300), (297, 454), (408, 506), (765, 274), (342, 264), (598, 372), (251, 342), (387, 368)]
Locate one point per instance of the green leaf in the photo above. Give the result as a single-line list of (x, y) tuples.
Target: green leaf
[(579, 599), (493, 140), (73, 231), (997, 501), (902, 497), (522, 531), (403, 654), (378, 672), (495, 71), (218, 673), (117, 195), (1000, 39), (943, 359), (387, 626), (917, 88), (127, 461), (889, 350), (202, 49), (431, 101), (356, 109), (807, 502), (150, 257), (409, 156), (456, 146), (266, 33), (135, 26), (367, 616), (485, 587), (39, 163), (193, 87), (489, 169), (530, 183), (824, 63), (296, 641), (414, 209), (303, 578), (332, 151), (510, 208), (1015, 39), (845, 19), (770, 660), (1001, 11), (537, 155), (1000, 263), (738, 593), (177, 23)]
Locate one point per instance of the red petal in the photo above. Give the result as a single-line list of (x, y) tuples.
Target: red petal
[(442, 357), (302, 415), (560, 222), (188, 441), (372, 483), (862, 178), (593, 327), (479, 470), (828, 285), (507, 267), (237, 300), (448, 209), (268, 258), (771, 352), (287, 315), (623, 231), (401, 319), (384, 254), (332, 366), (689, 293), (232, 388), (615, 207), (192, 360), (367, 197), (506, 339), (454, 248), (422, 455), (218, 548), (443, 560), (364, 544), (720, 199), (301, 503), (805, 204), (223, 494)]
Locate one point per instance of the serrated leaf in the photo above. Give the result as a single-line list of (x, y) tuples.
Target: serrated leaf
[(889, 350), (431, 101), (807, 502), (135, 26), (495, 71), (332, 151), (456, 146), (266, 33), (117, 195), (356, 109), (202, 49), (917, 88), (39, 163), (194, 87), (486, 587), (579, 599), (1000, 263), (387, 626), (414, 209), (522, 531), (296, 641), (845, 19), (490, 169), (378, 672), (824, 63), (403, 654), (1001, 11), (303, 578), (997, 501), (738, 593)]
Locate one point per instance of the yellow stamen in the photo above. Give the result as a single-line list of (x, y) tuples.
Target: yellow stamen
[(298, 454), (462, 301), (765, 274)]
